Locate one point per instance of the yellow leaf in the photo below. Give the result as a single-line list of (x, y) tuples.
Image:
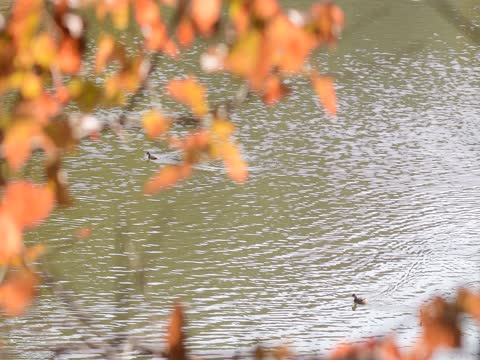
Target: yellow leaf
[(17, 145), (222, 129), (44, 49), (243, 58), (31, 85), (189, 92), (235, 165), (155, 124), (120, 15)]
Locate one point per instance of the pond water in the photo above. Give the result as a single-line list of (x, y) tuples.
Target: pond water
[(384, 202)]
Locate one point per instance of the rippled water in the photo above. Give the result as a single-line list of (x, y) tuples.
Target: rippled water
[(384, 203)]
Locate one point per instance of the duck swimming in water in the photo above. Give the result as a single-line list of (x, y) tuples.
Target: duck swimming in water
[(359, 300), (150, 156)]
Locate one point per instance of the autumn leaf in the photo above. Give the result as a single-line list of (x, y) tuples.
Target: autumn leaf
[(243, 57), (168, 177), (17, 292), (222, 129), (17, 145), (265, 9), (26, 203), (439, 321), (323, 86), (155, 124), (185, 32), (189, 92), (106, 51), (470, 303), (120, 13), (205, 14), (328, 21), (195, 141), (239, 14), (146, 12), (156, 35), (175, 335), (291, 44), (44, 50), (41, 108), (170, 48), (69, 56), (234, 163), (11, 243), (31, 85), (273, 90)]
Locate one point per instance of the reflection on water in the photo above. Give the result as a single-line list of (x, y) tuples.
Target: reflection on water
[(384, 203)]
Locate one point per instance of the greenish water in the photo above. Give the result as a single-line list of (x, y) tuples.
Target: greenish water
[(385, 202)]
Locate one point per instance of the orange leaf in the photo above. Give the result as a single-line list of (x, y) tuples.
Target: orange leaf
[(69, 56), (292, 43), (168, 177), (11, 244), (185, 32), (27, 203), (235, 165), (470, 303), (170, 48), (17, 292), (440, 325), (155, 124), (328, 21), (265, 9), (239, 13), (156, 35), (323, 85), (205, 14), (189, 92), (175, 335), (146, 12), (274, 90), (18, 143), (105, 52)]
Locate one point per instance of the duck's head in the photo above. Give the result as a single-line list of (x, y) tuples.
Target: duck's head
[(354, 296)]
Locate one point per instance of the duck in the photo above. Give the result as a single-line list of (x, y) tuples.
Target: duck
[(359, 300), (150, 156)]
